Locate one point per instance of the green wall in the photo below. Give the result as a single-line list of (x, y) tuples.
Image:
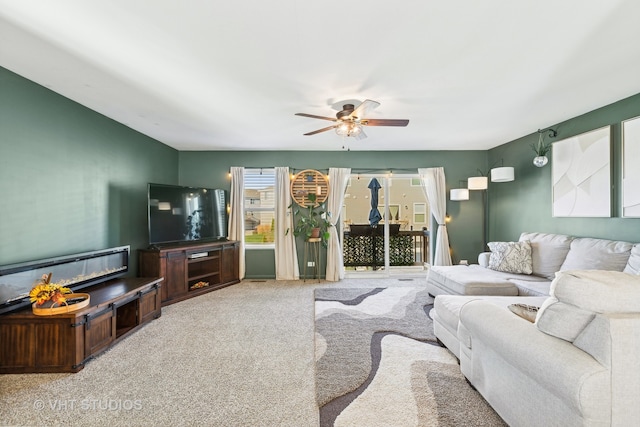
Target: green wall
[(211, 168), (71, 180), (525, 204)]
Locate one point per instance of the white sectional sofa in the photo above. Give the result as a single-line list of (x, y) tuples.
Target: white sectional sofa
[(538, 373), (549, 253), (577, 365)]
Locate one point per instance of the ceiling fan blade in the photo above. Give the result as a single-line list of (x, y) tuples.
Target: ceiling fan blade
[(364, 109), (313, 116), (321, 130), (384, 122)]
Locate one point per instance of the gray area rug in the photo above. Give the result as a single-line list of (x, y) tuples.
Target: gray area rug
[(378, 363), (239, 356)]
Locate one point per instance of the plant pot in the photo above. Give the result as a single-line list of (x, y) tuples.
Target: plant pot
[(315, 233), (540, 161)]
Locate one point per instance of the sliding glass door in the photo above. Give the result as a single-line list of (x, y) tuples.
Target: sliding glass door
[(385, 225)]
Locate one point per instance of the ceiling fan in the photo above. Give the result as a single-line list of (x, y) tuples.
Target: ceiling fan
[(350, 120)]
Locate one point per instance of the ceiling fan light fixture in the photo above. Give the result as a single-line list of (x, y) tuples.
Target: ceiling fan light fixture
[(349, 120), (348, 129), (343, 129)]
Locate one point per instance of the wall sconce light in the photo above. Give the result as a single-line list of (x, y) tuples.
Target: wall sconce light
[(164, 206), (541, 149)]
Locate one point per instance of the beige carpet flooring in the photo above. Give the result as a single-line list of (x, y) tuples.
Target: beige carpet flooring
[(238, 356)]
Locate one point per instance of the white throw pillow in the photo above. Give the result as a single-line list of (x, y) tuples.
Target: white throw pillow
[(633, 265), (511, 257), (598, 291), (587, 253), (548, 252), (577, 296), (562, 320)]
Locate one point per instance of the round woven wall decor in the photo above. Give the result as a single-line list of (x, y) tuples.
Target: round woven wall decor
[(306, 182)]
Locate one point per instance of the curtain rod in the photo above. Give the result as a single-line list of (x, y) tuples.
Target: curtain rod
[(353, 170), (361, 170)]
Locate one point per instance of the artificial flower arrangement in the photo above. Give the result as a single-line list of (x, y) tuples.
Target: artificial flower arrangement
[(46, 291)]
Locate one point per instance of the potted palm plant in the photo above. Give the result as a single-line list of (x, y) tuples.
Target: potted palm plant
[(312, 220)]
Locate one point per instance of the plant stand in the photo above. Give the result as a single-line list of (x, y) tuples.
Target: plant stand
[(312, 257)]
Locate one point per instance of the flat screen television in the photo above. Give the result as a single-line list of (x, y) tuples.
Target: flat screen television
[(186, 214)]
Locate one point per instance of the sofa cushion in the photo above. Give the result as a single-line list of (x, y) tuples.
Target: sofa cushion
[(597, 254), (548, 252), (448, 308), (633, 264), (562, 320), (532, 288), (447, 311), (595, 339), (511, 257), (470, 280), (576, 297), (598, 291)]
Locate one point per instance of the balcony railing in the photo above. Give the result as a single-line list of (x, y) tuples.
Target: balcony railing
[(364, 247)]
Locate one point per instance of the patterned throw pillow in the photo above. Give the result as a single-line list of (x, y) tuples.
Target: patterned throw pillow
[(527, 312), (511, 257)]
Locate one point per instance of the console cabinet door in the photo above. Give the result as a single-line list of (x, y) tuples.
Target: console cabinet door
[(175, 282), (53, 341), (38, 345), (149, 306), (230, 263), (18, 349), (100, 331)]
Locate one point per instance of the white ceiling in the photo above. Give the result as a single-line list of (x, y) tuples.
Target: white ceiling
[(222, 75)]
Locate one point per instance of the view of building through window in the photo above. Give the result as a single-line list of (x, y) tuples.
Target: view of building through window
[(406, 203), (259, 206)]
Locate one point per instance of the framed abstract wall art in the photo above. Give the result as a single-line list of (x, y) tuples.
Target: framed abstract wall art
[(630, 175), (581, 175)]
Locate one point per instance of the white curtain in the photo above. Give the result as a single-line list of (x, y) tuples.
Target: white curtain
[(338, 180), (433, 185), (285, 242), (236, 217)]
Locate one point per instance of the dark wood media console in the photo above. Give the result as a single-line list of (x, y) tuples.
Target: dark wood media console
[(65, 342), (191, 270)]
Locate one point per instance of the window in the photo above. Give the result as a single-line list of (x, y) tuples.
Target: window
[(259, 207), (420, 213)]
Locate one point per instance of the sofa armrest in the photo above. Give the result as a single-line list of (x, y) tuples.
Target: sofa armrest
[(614, 340), (483, 259), (553, 363)]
